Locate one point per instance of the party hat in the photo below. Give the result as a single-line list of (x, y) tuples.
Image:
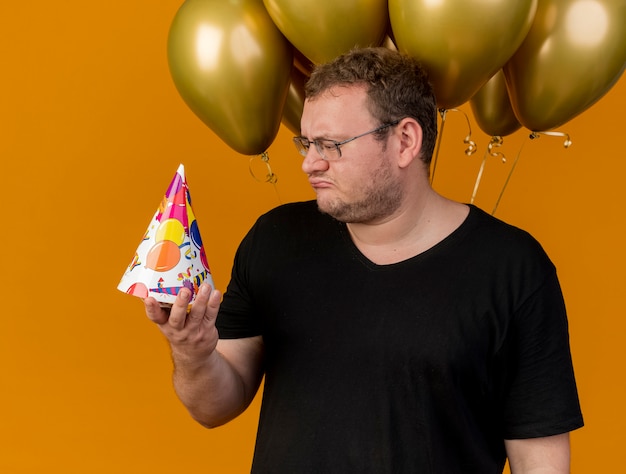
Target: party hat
[(171, 255)]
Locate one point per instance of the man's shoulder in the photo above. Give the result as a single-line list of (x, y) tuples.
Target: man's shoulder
[(504, 241), (294, 213), (293, 208), (294, 219), (495, 227)]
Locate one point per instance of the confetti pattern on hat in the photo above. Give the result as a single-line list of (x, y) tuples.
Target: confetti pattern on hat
[(171, 255)]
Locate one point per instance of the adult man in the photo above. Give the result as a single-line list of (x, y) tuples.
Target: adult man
[(398, 331)]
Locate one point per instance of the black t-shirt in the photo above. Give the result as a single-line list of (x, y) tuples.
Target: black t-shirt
[(426, 365)]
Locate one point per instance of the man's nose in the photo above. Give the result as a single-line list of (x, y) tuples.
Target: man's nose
[(313, 161)]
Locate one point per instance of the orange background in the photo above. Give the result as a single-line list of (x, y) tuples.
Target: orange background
[(91, 132)]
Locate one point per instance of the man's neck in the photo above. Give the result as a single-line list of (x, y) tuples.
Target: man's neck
[(414, 228)]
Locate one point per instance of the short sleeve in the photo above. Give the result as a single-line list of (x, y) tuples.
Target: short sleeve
[(236, 318), (542, 399)]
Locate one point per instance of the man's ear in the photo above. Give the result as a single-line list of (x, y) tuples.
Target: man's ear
[(410, 141)]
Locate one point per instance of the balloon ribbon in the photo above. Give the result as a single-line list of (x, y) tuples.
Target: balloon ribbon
[(496, 141), (270, 177), (533, 135), (471, 145)]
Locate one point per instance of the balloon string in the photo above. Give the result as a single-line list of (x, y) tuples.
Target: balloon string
[(280, 201), (533, 135), (508, 178), (566, 143), (443, 113), (496, 141), (270, 177), (471, 145)]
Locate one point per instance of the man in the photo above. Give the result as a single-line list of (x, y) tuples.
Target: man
[(398, 331)]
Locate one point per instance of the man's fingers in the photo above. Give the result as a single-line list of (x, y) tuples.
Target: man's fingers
[(178, 313), (154, 311), (200, 306), (213, 305)]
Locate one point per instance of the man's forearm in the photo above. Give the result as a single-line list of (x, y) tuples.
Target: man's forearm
[(548, 455), (211, 390)]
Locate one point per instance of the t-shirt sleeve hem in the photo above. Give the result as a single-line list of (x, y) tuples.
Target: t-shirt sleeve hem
[(542, 430), (226, 334)]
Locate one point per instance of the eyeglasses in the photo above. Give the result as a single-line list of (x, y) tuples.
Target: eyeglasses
[(329, 149)]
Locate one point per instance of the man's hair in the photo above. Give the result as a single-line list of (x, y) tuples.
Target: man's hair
[(397, 87)]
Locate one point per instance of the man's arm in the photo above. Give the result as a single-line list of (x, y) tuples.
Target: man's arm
[(215, 379), (547, 455)]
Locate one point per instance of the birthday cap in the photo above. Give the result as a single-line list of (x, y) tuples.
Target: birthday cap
[(171, 255)]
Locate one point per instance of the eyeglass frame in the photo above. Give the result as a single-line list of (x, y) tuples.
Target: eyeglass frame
[(303, 149)]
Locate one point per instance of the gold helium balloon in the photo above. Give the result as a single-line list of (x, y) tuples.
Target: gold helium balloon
[(492, 108), (292, 112), (302, 63), (231, 65), (324, 29), (461, 43), (574, 53)]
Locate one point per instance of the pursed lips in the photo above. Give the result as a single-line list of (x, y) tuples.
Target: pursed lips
[(320, 183)]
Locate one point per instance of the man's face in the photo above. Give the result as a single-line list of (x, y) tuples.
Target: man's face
[(363, 185)]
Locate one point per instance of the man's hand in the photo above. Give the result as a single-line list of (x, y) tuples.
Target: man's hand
[(191, 332), (216, 380)]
